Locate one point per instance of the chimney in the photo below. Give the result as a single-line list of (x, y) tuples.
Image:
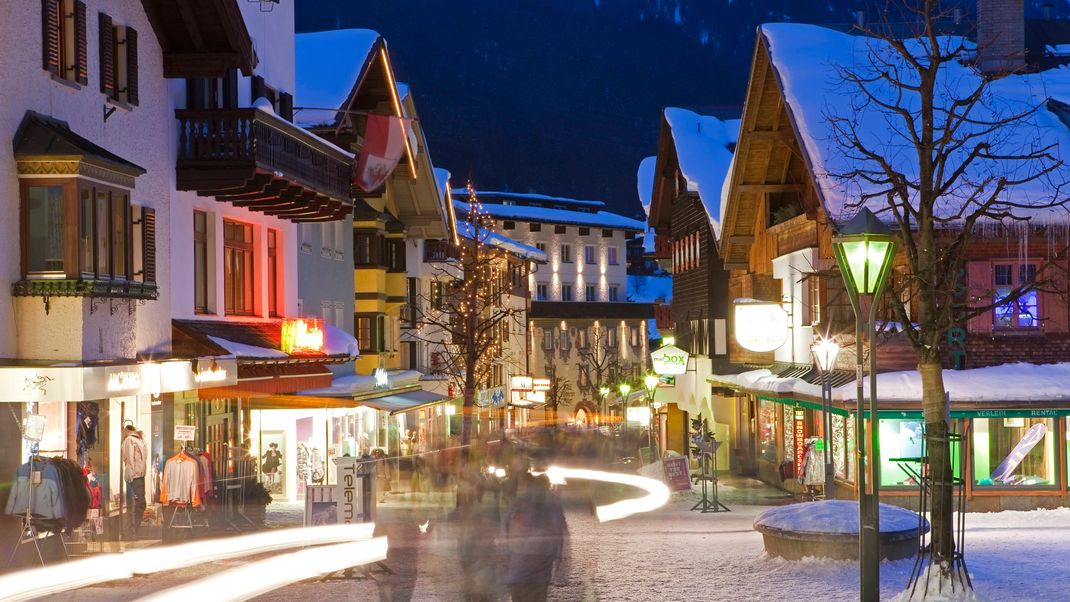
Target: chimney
[(1001, 36)]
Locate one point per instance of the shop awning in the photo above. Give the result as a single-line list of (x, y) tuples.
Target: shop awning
[(404, 402)]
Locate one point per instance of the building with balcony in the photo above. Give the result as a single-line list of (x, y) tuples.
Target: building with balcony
[(582, 332)]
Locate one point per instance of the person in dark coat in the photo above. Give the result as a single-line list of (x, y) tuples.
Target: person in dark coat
[(535, 533)]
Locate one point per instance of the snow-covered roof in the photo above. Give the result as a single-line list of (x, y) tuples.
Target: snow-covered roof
[(650, 288), (327, 65), (645, 182), (353, 384), (339, 342), (598, 219), (241, 350), (467, 230), (530, 196), (806, 59), (264, 106), (1018, 382), (702, 150)]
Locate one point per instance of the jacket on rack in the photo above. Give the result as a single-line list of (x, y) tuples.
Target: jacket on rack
[(74, 491), (180, 483), (44, 500)]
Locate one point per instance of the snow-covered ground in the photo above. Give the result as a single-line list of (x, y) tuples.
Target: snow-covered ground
[(674, 554)]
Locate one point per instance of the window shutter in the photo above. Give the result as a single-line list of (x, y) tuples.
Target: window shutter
[(107, 56), (81, 50), (286, 106), (259, 88), (148, 243), (230, 89), (979, 292), (131, 66), (50, 20), (1053, 307)]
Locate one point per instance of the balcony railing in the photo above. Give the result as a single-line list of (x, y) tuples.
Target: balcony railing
[(438, 250), (258, 160)]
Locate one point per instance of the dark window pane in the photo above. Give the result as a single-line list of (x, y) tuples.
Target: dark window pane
[(45, 229), (103, 230), (85, 231), (119, 225), (200, 261)]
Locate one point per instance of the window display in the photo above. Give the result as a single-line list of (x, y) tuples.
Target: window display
[(1014, 452), (788, 417), (767, 430)]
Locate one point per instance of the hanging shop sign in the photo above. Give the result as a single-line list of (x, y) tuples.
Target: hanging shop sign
[(354, 493), (522, 383), (760, 325), (800, 439), (669, 360), (301, 335), (540, 384)]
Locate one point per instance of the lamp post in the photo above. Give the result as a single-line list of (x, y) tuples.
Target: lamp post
[(825, 352), (650, 381), (864, 251), (603, 392), (624, 389)]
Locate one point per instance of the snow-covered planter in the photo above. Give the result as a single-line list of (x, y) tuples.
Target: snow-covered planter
[(829, 529)]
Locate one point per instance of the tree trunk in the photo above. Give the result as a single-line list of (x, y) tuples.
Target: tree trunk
[(466, 418), (937, 427)]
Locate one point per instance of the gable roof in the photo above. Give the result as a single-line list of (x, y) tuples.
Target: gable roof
[(330, 66)]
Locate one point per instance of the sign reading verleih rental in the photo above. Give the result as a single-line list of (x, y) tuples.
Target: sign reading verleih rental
[(669, 360)]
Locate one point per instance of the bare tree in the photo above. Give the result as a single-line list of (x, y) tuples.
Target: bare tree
[(469, 318), (561, 389), (600, 360), (938, 149)]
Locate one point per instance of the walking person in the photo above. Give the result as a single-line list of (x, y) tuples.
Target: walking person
[(535, 532), (134, 453)]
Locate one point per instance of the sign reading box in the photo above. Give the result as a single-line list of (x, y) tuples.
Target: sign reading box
[(669, 360)]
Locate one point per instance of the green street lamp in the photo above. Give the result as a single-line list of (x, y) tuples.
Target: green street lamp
[(624, 389), (650, 382), (865, 249)]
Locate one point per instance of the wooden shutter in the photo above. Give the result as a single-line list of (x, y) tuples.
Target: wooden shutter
[(259, 88), (131, 66), (1053, 307), (50, 40), (286, 106), (148, 245), (81, 50), (107, 56), (230, 89), (979, 292)]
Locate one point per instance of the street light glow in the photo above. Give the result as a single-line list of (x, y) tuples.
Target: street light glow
[(825, 353)]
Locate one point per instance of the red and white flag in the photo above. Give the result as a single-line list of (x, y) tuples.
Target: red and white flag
[(384, 145)]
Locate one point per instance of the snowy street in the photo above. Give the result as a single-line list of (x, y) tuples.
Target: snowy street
[(670, 554)]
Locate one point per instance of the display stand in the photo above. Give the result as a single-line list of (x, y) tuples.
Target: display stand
[(354, 499), (32, 430), (706, 444)]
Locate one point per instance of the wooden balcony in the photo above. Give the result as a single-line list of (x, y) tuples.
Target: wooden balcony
[(438, 250), (257, 160)]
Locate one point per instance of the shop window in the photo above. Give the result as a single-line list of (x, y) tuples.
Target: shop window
[(902, 446), (200, 262), (1014, 452), (238, 268), (767, 430), (787, 415), (1015, 313), (588, 255)]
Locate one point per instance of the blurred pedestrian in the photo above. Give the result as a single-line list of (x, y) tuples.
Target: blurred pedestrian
[(535, 533), (479, 552)]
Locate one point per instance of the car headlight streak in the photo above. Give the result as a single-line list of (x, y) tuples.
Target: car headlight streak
[(656, 497)]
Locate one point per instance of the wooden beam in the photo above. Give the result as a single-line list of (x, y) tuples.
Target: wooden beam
[(784, 136), (188, 18), (202, 64), (770, 188), (739, 240)]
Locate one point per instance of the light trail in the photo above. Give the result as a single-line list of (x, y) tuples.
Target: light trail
[(34, 583), (263, 576), (656, 497)]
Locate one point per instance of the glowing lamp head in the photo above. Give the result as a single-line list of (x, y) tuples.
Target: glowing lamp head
[(624, 389), (651, 382), (864, 251), (825, 352), (604, 392)]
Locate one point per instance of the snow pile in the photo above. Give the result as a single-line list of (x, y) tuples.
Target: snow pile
[(1005, 382), (599, 219), (243, 350), (339, 342), (650, 289), (702, 151), (645, 181), (327, 65), (466, 230), (764, 380), (806, 59), (352, 384), (833, 516)]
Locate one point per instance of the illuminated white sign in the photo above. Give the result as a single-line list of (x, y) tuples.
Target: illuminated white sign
[(760, 325), (123, 381), (669, 360), (640, 415), (540, 384), (522, 383), (382, 379)]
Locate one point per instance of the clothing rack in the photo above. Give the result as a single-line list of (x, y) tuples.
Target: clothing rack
[(28, 529)]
